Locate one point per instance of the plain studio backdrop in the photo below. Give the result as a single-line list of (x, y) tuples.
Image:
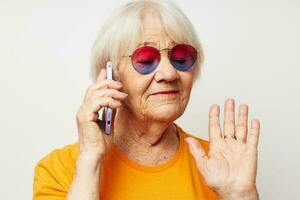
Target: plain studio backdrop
[(251, 54)]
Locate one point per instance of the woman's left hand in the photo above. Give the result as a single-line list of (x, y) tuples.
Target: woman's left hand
[(230, 166)]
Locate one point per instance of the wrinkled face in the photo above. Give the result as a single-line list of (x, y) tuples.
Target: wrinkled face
[(163, 94)]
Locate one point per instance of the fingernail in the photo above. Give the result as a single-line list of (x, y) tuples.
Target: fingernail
[(119, 83), (124, 94)]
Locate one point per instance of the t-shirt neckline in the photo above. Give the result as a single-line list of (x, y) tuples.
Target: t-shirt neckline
[(148, 168)]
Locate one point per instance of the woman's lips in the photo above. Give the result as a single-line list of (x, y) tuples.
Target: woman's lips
[(166, 93)]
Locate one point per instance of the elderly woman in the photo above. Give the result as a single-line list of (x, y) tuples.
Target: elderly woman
[(156, 58)]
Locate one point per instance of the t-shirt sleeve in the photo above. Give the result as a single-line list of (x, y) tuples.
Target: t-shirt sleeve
[(53, 175)]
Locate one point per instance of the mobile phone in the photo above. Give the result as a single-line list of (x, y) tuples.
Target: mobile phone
[(108, 111)]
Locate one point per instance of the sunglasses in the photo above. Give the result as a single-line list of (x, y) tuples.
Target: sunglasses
[(146, 59)]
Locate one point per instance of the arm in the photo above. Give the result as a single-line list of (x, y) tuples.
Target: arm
[(94, 143), (86, 181), (248, 194), (52, 177)]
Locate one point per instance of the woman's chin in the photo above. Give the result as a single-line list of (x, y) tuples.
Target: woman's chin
[(167, 112)]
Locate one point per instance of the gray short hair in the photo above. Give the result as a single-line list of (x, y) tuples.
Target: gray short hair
[(121, 33)]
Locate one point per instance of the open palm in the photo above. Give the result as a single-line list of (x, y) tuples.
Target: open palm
[(231, 163)]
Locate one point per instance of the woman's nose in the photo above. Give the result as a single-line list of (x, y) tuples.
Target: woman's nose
[(165, 71)]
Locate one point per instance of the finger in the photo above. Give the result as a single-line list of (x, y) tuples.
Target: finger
[(109, 93), (214, 128), (197, 152), (101, 75), (254, 132), (242, 124), (95, 105), (106, 84), (229, 124)]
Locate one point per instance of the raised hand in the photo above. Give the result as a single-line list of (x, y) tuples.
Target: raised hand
[(230, 166)]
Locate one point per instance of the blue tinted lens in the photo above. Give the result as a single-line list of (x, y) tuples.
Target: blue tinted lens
[(145, 59), (183, 57)]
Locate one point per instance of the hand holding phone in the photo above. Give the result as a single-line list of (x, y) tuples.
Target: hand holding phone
[(96, 135)]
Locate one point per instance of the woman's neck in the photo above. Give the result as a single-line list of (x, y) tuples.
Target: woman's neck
[(147, 142)]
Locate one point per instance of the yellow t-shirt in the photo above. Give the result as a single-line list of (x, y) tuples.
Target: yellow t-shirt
[(124, 179)]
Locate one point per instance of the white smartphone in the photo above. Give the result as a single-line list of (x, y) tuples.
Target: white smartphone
[(108, 111)]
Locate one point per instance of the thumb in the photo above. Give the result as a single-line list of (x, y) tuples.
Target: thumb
[(197, 151)]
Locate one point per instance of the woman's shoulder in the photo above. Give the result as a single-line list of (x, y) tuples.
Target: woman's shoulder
[(67, 152), (54, 172), (57, 163)]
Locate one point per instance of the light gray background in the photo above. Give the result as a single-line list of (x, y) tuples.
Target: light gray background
[(251, 54)]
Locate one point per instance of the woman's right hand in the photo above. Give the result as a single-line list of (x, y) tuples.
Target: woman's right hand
[(104, 93)]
